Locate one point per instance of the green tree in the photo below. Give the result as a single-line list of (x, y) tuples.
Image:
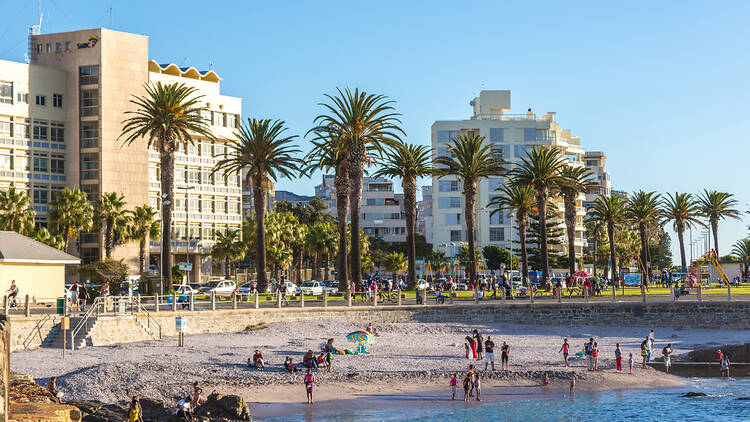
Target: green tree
[(469, 159), (574, 182), (495, 256), (280, 236), (661, 250), (366, 123), (438, 261), (741, 250), (540, 170), (555, 235), (321, 239), (594, 232), (44, 236), (643, 209), (396, 262), (143, 226), (261, 148), (684, 211), (610, 211), (111, 217), (422, 248), (16, 213), (70, 214), (716, 206), (467, 259), (167, 115), (408, 162), (111, 271), (519, 199), (228, 248)]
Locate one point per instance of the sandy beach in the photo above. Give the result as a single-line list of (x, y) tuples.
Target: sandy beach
[(408, 359)]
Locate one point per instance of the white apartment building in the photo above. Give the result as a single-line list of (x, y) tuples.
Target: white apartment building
[(595, 161), (511, 136), (381, 211), (424, 214)]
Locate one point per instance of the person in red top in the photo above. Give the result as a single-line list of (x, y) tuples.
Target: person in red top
[(565, 349), (587, 286), (473, 345), (595, 355), (258, 360)]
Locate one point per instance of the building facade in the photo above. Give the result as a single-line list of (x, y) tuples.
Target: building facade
[(424, 214), (291, 197), (67, 107), (381, 212), (510, 136), (595, 161)]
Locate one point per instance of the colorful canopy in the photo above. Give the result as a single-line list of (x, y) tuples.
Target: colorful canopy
[(361, 337), (581, 274)]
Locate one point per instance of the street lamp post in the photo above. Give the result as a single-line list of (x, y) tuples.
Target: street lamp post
[(187, 226), (165, 203)]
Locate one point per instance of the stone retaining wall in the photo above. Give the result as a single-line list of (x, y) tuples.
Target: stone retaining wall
[(675, 315)]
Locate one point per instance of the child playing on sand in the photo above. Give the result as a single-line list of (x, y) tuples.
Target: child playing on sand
[(477, 386), (467, 383), (565, 349), (309, 381), (573, 383), (289, 365), (630, 363), (595, 357), (453, 383)]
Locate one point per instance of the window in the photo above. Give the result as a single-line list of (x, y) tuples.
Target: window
[(153, 202), (544, 135), (449, 202), (6, 92), (6, 126), (57, 100), (41, 162), (231, 121), (57, 164), (55, 192), (446, 135), (529, 134), (221, 205), (88, 75), (67, 45), (57, 132), (208, 233), (179, 204), (41, 194), (232, 180), (22, 97), (89, 102), (456, 235), (22, 128), (206, 115), (218, 119), (208, 177), (193, 204), (375, 201), (49, 47), (58, 47), (41, 130), (23, 162), (452, 219), (89, 166), (219, 150), (206, 149), (521, 150), (6, 159), (194, 176), (207, 205), (91, 189), (497, 234), (41, 100), (498, 218), (39, 49), (233, 207), (153, 174), (449, 186), (496, 135), (89, 134)]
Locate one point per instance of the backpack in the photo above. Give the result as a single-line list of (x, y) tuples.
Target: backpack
[(664, 351)]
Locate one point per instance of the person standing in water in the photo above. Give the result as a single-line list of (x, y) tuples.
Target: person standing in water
[(477, 385), (573, 383), (618, 357), (309, 381)]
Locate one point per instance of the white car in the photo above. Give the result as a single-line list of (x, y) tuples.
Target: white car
[(311, 288), (291, 289), (185, 289), (221, 287), (246, 290)]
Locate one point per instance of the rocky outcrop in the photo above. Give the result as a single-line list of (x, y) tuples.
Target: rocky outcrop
[(736, 352), (30, 401), (216, 409)]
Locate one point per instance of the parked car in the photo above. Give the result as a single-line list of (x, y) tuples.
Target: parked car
[(185, 289), (153, 270), (311, 288), (331, 286), (221, 287), (291, 288), (246, 290)]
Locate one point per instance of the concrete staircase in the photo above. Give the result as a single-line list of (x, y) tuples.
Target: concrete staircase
[(55, 339), (104, 330)]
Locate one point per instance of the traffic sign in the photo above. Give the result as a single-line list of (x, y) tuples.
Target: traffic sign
[(186, 266)]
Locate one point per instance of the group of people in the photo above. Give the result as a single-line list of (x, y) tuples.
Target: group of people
[(479, 349), (471, 383)]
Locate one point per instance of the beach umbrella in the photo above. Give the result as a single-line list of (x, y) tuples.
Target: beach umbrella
[(360, 337), (581, 274)]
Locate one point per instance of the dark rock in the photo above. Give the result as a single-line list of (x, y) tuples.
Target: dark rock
[(736, 352), (216, 409), (743, 398), (694, 394)]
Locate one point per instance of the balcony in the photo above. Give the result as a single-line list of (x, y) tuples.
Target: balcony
[(505, 117)]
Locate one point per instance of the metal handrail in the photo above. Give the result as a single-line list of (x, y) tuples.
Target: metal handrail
[(149, 318), (99, 301), (37, 329)]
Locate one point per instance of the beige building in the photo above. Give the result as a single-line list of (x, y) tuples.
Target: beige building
[(86, 80), (595, 161), (511, 136)]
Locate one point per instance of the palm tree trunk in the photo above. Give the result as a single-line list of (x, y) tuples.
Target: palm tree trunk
[(66, 238), (355, 198), (715, 228), (341, 182), (226, 267), (108, 239), (142, 254), (316, 266), (541, 200), (595, 250), (259, 203), (167, 194), (12, 222), (683, 262), (524, 253), (611, 235), (469, 193), (410, 205), (570, 225), (327, 267), (644, 250), (299, 265)]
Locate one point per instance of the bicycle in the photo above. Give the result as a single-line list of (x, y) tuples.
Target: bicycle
[(389, 296)]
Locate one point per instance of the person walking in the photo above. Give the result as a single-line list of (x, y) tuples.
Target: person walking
[(505, 355), (588, 348), (489, 353), (666, 353), (618, 357), (83, 296), (309, 380), (630, 363), (480, 345), (644, 351), (565, 349), (453, 383)]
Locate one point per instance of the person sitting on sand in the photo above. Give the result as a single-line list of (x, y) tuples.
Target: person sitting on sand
[(289, 365), (135, 413), (545, 379), (309, 360), (309, 380), (453, 383), (197, 391), (52, 388), (372, 330), (258, 362), (573, 383), (185, 409)]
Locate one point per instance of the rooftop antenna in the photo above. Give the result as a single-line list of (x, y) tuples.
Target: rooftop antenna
[(33, 32), (110, 18), (210, 65)]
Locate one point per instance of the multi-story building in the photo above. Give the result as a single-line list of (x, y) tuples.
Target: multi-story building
[(381, 211), (424, 214), (248, 200), (67, 108), (511, 136), (291, 197), (595, 161)]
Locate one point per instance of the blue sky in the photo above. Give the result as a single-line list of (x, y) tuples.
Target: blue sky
[(661, 87)]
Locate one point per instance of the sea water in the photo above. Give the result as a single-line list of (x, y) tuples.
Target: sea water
[(723, 403)]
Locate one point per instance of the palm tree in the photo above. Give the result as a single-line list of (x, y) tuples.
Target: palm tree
[(593, 229), (110, 215), (684, 210), (320, 240), (143, 227), (408, 161), (643, 209), (610, 211), (70, 213), (518, 198), (329, 153), (366, 123), (166, 115), (44, 236), (716, 206), (741, 250), (575, 181), (541, 170), (268, 154), (439, 261), (469, 159), (228, 248), (16, 213), (395, 262)]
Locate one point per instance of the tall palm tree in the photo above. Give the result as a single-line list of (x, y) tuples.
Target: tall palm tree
[(610, 211), (469, 159), (395, 262), (268, 154), (518, 198), (367, 123), (741, 250), (70, 213), (16, 213), (715, 206), (329, 153), (575, 181), (438, 261), (684, 211), (142, 227), (166, 115), (644, 210), (110, 215), (408, 161), (228, 248), (541, 170), (594, 229)]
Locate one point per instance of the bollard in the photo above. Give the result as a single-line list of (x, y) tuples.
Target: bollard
[(234, 299), (476, 296), (700, 299), (191, 298), (278, 300), (451, 293), (349, 298), (424, 297), (729, 293), (325, 299), (374, 298), (156, 303), (27, 307), (213, 301), (257, 305), (531, 293), (301, 299), (398, 301)]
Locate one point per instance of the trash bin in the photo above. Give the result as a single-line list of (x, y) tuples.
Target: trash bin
[(60, 305)]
